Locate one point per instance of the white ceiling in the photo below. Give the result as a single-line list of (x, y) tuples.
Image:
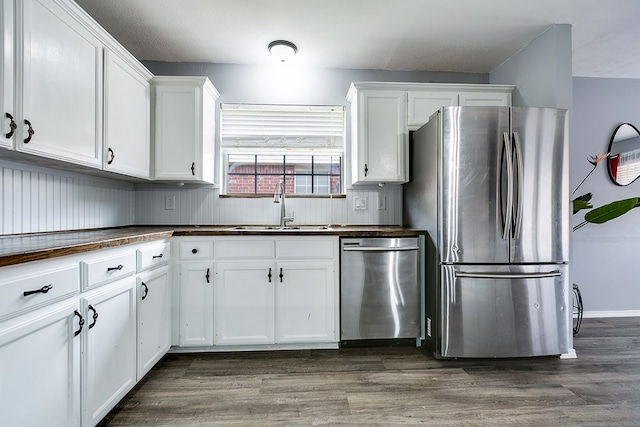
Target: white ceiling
[(417, 35)]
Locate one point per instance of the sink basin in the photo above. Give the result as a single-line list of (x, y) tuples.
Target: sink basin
[(278, 228)]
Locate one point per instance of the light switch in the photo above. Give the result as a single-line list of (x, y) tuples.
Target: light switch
[(359, 203), (382, 203)]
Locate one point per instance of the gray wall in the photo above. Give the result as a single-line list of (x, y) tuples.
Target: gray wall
[(541, 71), (283, 84), (605, 260)]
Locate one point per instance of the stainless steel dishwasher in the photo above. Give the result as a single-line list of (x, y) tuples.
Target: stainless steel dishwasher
[(379, 288)]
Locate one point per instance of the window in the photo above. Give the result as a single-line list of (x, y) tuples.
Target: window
[(301, 145)]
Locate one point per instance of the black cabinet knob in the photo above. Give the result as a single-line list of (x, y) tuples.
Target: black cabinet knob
[(194, 251)]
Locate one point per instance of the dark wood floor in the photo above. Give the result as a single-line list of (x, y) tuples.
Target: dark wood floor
[(396, 386)]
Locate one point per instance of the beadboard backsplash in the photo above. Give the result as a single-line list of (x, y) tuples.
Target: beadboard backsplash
[(200, 205), (36, 199)]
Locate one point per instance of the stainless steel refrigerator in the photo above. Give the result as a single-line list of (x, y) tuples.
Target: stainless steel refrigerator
[(491, 187)]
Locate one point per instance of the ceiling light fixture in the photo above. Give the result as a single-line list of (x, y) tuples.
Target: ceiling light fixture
[(282, 50)]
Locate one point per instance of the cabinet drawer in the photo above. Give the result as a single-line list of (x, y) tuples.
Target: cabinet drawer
[(246, 248), (106, 269), (306, 248), (44, 287), (150, 256), (196, 249)]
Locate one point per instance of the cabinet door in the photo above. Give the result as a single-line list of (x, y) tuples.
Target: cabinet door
[(196, 304), (423, 104), (154, 318), (244, 302), (61, 85), (40, 362), (127, 125), (176, 134), (7, 112), (484, 99), (306, 307), (382, 141), (109, 348)]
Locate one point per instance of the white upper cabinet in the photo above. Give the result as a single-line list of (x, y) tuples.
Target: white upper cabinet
[(60, 83), (423, 104), (379, 136), (127, 118), (426, 99), (383, 113), (7, 120), (184, 138)]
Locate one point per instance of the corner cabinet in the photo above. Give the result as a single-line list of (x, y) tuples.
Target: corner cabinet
[(127, 116), (184, 139), (195, 295), (383, 113)]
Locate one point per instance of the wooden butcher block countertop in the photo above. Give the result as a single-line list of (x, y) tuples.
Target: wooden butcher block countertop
[(20, 248)]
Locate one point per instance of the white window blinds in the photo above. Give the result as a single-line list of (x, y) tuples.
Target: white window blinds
[(282, 126)]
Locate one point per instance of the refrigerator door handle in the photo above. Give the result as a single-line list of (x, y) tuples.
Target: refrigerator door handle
[(518, 208), (541, 275), (506, 211)]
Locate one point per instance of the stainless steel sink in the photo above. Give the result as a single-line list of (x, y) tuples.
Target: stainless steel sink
[(277, 228)]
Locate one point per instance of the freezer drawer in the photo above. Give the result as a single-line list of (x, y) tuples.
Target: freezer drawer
[(504, 311)]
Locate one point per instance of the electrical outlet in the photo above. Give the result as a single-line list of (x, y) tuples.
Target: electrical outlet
[(170, 203), (359, 203), (382, 203)]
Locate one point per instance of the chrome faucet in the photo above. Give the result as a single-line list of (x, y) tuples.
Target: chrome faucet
[(279, 197)]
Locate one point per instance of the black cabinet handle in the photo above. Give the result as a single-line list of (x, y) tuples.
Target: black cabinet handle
[(194, 251), (30, 131), (80, 322), (119, 267), (42, 290), (193, 168), (269, 275), (281, 275), (113, 156), (13, 125), (156, 256), (207, 276), (146, 290), (95, 316), (366, 169)]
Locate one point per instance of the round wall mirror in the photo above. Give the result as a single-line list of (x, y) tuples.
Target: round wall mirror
[(624, 154)]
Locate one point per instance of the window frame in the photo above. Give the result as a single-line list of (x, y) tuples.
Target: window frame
[(334, 154), (321, 133)]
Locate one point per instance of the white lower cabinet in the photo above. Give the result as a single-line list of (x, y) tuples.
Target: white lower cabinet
[(196, 304), (154, 318), (109, 347), (77, 332), (276, 291), (244, 302), (40, 366), (306, 302)]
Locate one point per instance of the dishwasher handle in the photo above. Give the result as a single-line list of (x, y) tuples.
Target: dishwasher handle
[(380, 248)]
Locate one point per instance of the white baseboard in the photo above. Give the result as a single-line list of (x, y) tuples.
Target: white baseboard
[(611, 313)]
